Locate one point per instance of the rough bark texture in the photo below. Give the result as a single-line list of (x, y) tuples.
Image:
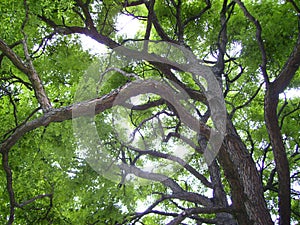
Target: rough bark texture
[(244, 181)]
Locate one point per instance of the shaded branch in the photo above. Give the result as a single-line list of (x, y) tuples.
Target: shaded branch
[(149, 105), (32, 74), (88, 19), (21, 124), (92, 33), (184, 139), (13, 57)]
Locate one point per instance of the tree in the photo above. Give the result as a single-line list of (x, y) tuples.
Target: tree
[(248, 55)]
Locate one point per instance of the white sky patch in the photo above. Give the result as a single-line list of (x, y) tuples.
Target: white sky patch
[(127, 26), (291, 93), (92, 46)]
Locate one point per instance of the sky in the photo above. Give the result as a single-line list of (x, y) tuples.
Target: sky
[(125, 25)]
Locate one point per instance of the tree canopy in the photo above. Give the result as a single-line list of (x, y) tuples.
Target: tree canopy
[(190, 121)]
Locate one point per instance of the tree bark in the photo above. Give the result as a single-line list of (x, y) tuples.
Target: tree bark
[(246, 187), (280, 157)]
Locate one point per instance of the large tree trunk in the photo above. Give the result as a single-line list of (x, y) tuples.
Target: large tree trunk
[(242, 175)]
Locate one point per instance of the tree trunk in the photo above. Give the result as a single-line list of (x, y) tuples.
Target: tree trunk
[(242, 175), (280, 157)]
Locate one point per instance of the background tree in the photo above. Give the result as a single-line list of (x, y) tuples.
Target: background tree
[(253, 49)]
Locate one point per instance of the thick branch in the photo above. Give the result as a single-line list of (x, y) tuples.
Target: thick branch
[(61, 114), (11, 47), (13, 57), (274, 131), (29, 71), (88, 19)]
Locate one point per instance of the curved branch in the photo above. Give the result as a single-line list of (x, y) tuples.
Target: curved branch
[(61, 114)]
